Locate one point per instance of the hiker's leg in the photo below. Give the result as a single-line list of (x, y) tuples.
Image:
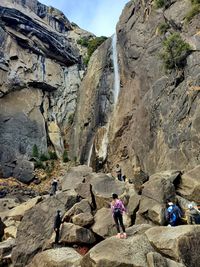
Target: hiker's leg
[(57, 236), (121, 222), (116, 223)]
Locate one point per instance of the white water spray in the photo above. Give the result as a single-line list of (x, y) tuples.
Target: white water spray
[(116, 88), (90, 154)]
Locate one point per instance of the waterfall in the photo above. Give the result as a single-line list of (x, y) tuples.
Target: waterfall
[(116, 88), (102, 153), (90, 155)]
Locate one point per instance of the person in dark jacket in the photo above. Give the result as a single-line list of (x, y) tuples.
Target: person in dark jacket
[(57, 224)]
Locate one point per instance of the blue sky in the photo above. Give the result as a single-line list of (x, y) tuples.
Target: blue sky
[(97, 16)]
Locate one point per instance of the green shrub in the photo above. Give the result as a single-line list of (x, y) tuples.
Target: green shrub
[(192, 12), (35, 152), (162, 28), (175, 52), (83, 41), (44, 157), (159, 3), (195, 2), (65, 156), (162, 3), (53, 155), (86, 60), (71, 118), (39, 165), (94, 44)]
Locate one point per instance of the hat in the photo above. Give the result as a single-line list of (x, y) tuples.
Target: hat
[(170, 203)]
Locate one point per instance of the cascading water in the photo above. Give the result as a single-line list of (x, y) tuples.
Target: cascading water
[(102, 151), (90, 154), (116, 88)]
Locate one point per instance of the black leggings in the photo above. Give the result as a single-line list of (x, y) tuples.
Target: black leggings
[(119, 220)]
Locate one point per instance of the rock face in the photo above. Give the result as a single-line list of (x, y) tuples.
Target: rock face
[(154, 125), (40, 73), (37, 226), (176, 242)]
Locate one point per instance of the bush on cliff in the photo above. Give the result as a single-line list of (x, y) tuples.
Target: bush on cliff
[(92, 45), (175, 52), (162, 3)]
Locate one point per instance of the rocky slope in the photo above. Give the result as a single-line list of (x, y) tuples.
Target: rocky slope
[(40, 73), (155, 124), (87, 236)]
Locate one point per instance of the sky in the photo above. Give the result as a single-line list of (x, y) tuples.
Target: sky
[(97, 16)]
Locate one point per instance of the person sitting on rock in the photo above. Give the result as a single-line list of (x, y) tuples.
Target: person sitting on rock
[(173, 214), (118, 171), (54, 186), (57, 224), (118, 208), (193, 214)]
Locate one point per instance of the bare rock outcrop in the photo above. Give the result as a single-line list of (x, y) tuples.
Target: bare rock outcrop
[(61, 257), (40, 74)]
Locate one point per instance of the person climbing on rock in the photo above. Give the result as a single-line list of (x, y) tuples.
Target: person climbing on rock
[(173, 214), (193, 214), (57, 223), (54, 186), (118, 208), (118, 171)]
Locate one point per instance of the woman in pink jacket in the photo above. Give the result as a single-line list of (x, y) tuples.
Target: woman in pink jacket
[(118, 208)]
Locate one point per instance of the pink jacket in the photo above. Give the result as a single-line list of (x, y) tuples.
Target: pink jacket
[(118, 204)]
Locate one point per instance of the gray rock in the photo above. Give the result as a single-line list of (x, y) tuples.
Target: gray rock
[(61, 257), (36, 227), (83, 219), (72, 234)]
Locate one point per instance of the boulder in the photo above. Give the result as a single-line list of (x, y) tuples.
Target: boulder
[(75, 176), (71, 233), (152, 211), (137, 229), (84, 190), (189, 186), (18, 212), (139, 178), (154, 259), (8, 203), (159, 188), (172, 175), (104, 224), (62, 257), (36, 226), (129, 252), (180, 243), (103, 186), (133, 203), (81, 207), (83, 219)]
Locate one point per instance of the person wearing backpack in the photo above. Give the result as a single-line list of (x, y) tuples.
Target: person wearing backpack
[(193, 214), (173, 214), (117, 208)]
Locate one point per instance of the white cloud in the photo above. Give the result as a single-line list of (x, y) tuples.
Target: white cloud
[(97, 16)]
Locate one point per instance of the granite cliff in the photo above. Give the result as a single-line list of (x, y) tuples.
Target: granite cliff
[(154, 125), (40, 73)]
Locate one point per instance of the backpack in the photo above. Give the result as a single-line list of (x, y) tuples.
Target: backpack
[(173, 214)]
